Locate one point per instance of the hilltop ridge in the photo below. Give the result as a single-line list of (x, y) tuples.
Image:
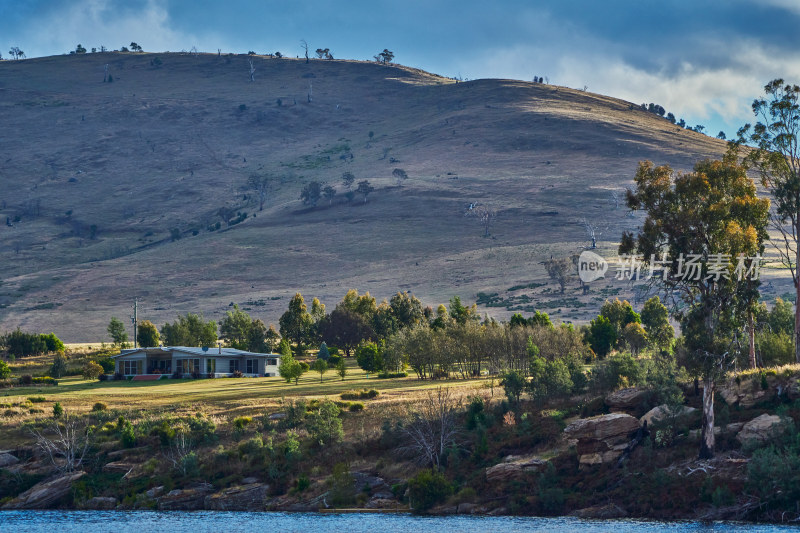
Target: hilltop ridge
[(116, 188)]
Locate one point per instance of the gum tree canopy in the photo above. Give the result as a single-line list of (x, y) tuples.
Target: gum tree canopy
[(713, 218)]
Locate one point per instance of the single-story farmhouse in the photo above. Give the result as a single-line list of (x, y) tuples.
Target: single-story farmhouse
[(179, 361)]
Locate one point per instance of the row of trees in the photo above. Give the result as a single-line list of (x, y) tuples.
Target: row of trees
[(313, 191), (21, 344)]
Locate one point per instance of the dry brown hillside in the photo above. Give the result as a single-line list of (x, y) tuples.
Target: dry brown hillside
[(103, 176)]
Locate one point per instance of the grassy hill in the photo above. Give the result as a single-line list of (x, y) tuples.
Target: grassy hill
[(114, 186)]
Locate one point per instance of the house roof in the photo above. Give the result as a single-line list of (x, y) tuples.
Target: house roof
[(191, 350)]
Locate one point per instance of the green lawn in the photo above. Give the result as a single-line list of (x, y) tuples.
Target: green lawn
[(218, 394)]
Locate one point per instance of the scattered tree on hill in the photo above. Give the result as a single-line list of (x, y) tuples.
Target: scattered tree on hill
[(329, 192), (5, 370), (714, 212), (364, 188), (304, 46), (16, 53), (135, 47), (147, 334), (384, 57), (484, 214), (311, 193), (777, 159), (262, 186), (324, 53), (560, 271), (400, 175), (80, 49), (721, 135), (116, 329), (591, 232), (347, 179)]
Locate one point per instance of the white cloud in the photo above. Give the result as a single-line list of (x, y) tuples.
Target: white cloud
[(692, 90), (93, 23)]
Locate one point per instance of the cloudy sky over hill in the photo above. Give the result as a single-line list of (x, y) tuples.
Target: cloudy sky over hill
[(703, 60)]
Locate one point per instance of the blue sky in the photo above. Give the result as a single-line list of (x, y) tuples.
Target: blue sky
[(704, 60)]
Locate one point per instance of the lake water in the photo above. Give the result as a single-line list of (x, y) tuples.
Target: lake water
[(204, 521)]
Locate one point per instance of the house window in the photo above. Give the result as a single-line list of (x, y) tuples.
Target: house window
[(251, 366), (179, 366), (211, 366), (272, 362), (165, 366), (132, 367), (234, 365)]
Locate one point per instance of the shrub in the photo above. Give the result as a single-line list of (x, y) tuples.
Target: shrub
[(359, 395), (5, 371), (342, 485), (325, 425), (58, 411), (356, 406), (333, 360), (392, 375), (165, 432), (427, 489), (776, 348), (99, 406), (37, 399), (91, 370), (128, 436), (252, 446), (302, 483), (25, 379), (190, 464), (240, 422), (107, 363), (42, 380)]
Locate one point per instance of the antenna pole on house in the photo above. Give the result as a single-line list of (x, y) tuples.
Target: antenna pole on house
[(135, 321)]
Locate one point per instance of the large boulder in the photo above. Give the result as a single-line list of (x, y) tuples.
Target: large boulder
[(761, 430), (663, 412), (607, 511), (46, 494), (514, 468), (6, 460), (250, 497), (630, 400), (192, 499), (602, 439), (101, 503)]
